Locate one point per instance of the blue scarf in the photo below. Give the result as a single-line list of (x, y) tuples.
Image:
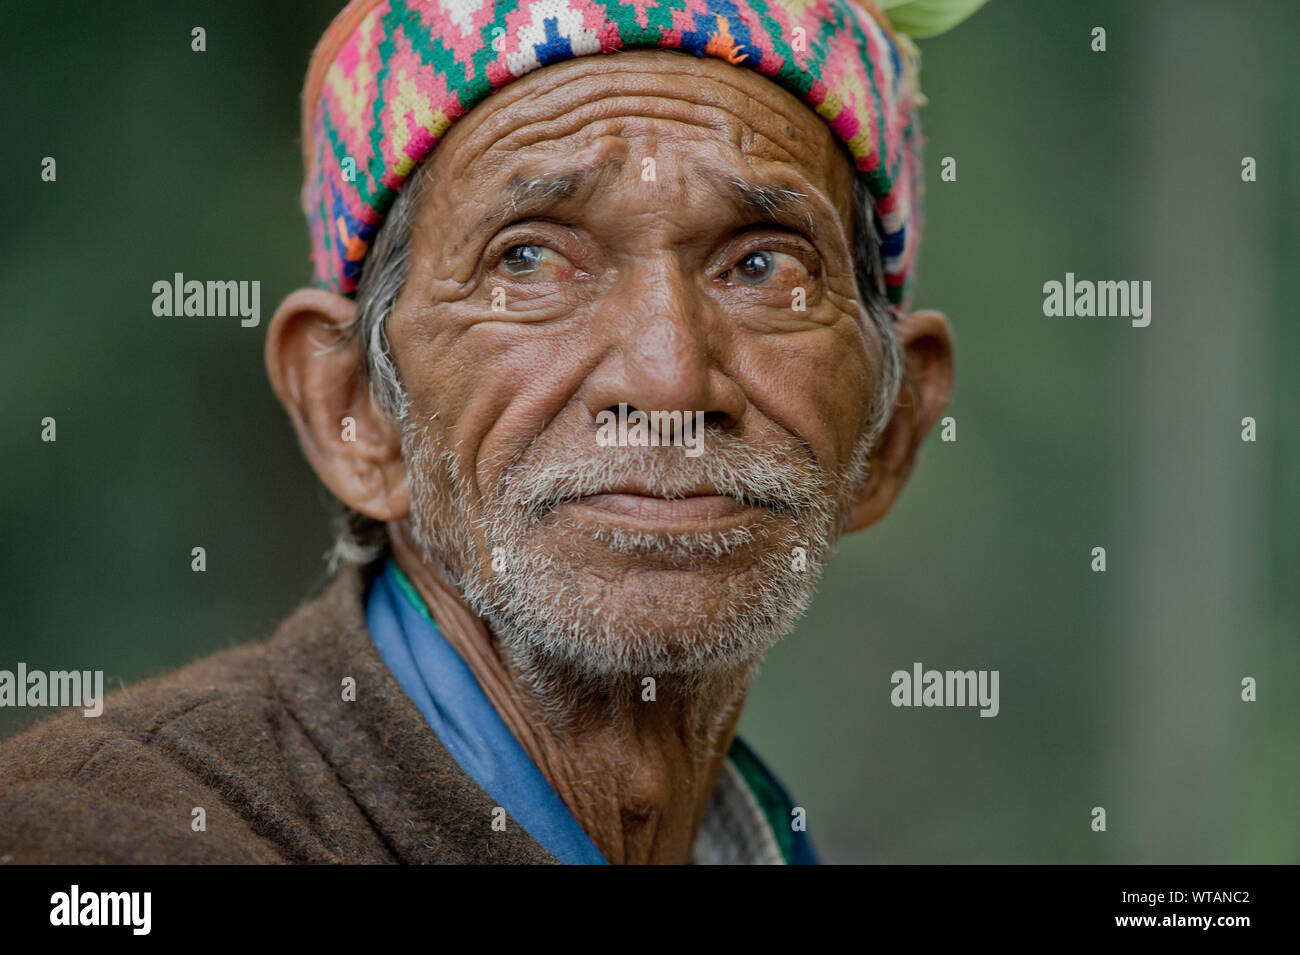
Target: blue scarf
[(749, 818)]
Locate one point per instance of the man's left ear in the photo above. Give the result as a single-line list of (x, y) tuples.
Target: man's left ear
[(926, 339)]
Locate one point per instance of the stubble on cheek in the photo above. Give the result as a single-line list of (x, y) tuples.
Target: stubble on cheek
[(597, 601)]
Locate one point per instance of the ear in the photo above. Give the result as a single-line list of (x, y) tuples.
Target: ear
[(926, 339), (353, 445)]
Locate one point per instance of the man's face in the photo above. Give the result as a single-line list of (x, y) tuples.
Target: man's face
[(595, 204)]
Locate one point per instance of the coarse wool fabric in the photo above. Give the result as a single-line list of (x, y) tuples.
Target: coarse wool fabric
[(259, 737), (390, 77)]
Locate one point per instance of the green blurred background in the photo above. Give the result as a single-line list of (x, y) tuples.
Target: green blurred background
[(1119, 690)]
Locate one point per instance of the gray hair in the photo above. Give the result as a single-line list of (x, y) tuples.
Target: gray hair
[(359, 539)]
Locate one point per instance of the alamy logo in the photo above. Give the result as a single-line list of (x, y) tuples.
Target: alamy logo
[(208, 299), (1084, 299), (946, 688), (84, 688), (640, 430), (75, 907)]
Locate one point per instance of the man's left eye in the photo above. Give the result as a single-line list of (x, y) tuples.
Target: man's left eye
[(767, 267)]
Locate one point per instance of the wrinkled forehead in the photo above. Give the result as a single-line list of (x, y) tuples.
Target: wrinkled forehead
[(670, 123), (391, 78)]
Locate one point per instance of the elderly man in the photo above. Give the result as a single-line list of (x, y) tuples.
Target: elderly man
[(603, 355)]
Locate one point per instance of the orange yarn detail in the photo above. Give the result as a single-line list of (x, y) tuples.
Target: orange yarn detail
[(354, 250), (722, 43)]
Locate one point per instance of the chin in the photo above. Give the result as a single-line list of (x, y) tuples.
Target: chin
[(600, 613)]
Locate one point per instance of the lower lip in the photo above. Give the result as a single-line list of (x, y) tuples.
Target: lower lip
[(706, 512)]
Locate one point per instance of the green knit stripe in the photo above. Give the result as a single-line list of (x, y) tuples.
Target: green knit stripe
[(769, 799)]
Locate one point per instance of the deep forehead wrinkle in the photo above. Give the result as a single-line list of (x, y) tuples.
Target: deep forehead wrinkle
[(567, 97)]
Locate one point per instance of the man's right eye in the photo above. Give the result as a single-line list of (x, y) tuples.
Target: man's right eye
[(535, 263), (522, 259)]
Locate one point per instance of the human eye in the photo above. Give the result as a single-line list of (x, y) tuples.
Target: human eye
[(767, 268), (534, 262)]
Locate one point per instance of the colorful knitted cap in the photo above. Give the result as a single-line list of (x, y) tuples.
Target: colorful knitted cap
[(389, 78)]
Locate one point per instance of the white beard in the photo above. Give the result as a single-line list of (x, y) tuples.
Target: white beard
[(559, 622)]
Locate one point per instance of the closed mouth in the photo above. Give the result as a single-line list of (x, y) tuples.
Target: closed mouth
[(635, 508)]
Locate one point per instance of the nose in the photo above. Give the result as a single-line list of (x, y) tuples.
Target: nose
[(659, 347)]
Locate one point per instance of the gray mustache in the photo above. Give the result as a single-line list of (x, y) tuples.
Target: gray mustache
[(780, 480)]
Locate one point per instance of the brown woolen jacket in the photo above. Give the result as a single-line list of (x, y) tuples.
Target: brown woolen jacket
[(262, 740)]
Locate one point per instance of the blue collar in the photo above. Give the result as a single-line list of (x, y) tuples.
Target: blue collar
[(750, 806)]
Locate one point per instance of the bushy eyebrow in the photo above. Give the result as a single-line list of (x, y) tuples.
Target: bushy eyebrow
[(777, 203), (528, 191), (773, 202)]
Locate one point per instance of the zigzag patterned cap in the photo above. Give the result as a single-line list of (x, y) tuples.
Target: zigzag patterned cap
[(389, 77)]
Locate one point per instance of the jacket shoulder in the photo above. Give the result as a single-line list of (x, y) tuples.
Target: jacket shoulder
[(254, 755), (116, 787), (201, 765)]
